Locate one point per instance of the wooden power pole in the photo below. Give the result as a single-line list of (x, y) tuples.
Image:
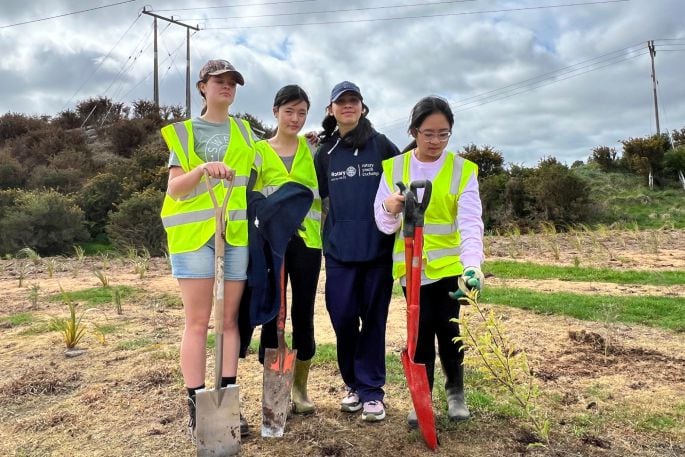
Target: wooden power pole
[(652, 53), (156, 71)]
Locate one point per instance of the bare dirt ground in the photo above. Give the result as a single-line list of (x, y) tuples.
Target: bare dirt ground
[(610, 390)]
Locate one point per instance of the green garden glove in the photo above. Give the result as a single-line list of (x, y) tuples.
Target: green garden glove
[(472, 279)]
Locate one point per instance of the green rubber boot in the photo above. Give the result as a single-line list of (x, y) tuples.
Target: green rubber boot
[(301, 402)]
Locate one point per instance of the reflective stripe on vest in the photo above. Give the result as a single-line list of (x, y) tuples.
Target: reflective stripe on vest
[(189, 221), (441, 236)]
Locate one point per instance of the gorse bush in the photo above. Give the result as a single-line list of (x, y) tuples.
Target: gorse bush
[(14, 125), (126, 135), (96, 111), (46, 221), (560, 196), (12, 174), (65, 181), (38, 146), (67, 120), (137, 223)]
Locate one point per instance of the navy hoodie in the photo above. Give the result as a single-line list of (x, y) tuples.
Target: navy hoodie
[(349, 177)]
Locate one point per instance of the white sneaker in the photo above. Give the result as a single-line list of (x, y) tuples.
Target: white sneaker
[(351, 402), (374, 411)]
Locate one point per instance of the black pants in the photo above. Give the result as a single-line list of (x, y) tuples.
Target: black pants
[(302, 268), (437, 310)]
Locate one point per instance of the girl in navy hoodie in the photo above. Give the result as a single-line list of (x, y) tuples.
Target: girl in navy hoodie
[(358, 257)]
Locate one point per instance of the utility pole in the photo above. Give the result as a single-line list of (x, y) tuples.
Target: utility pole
[(652, 53), (156, 72), (155, 90)]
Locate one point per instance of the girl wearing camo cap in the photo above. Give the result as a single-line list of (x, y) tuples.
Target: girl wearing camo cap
[(222, 146)]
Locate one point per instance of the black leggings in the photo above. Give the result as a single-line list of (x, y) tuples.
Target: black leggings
[(437, 310), (302, 268)]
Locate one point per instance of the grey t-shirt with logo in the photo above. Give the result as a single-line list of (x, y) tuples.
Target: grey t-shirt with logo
[(211, 141)]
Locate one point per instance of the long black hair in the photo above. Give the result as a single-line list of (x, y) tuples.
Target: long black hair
[(424, 108), (355, 138), (290, 93)]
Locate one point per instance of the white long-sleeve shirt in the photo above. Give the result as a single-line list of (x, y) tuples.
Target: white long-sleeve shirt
[(468, 217)]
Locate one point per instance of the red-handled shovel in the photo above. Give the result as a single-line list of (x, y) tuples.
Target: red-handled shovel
[(417, 378)]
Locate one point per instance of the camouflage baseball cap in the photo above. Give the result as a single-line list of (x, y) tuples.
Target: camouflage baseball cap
[(218, 67)]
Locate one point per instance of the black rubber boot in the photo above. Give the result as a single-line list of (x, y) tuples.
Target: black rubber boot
[(454, 389), (244, 426)]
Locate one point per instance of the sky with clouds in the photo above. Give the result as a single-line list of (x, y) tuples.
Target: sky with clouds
[(531, 78)]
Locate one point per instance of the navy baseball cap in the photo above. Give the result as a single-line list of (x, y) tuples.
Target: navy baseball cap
[(343, 87)]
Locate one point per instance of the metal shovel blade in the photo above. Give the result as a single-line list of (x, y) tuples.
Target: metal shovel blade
[(218, 422), (417, 380), (279, 369)]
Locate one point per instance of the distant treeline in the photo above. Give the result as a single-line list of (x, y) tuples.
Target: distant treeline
[(98, 173)]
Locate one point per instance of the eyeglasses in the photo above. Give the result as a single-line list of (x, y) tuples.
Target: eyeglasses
[(432, 136)]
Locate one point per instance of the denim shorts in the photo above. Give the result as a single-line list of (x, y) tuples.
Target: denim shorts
[(200, 263)]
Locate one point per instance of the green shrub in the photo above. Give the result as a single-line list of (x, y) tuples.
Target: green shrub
[(14, 125), (96, 111), (62, 180), (151, 163), (67, 120), (37, 147), (126, 135), (97, 198), (137, 223), (492, 193), (12, 175), (46, 221), (73, 158), (561, 197)]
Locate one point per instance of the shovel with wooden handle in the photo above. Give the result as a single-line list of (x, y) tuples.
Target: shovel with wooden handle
[(417, 377), (279, 368), (218, 409)]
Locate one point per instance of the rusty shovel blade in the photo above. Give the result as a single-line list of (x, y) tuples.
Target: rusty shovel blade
[(279, 369), (417, 380)]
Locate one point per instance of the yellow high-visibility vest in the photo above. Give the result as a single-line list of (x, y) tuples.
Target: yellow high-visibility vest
[(272, 174), (189, 220), (441, 240)]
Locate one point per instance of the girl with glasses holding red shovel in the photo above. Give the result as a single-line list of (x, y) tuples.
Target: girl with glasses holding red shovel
[(452, 241)]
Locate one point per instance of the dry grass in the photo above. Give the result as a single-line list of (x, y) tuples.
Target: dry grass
[(126, 398)]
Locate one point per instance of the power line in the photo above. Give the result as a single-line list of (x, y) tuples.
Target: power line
[(129, 63), (150, 73), (533, 87), (541, 80), (420, 16), (66, 14), (104, 59), (235, 6), (424, 4)]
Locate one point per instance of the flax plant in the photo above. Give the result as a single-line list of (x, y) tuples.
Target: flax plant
[(72, 327), (102, 276), (51, 266), (30, 254)]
